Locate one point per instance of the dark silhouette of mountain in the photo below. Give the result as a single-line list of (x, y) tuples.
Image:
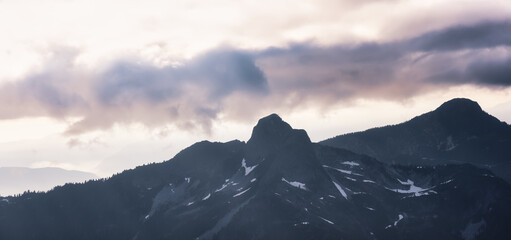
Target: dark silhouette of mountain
[(278, 185), (459, 131), (15, 180)]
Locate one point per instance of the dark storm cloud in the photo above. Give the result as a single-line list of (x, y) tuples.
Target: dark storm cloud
[(240, 84), (220, 73), (391, 70), (482, 35), (493, 73), (496, 73)]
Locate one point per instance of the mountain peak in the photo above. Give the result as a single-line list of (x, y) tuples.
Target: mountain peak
[(269, 134), (464, 116), (460, 105), (270, 129), (271, 119)]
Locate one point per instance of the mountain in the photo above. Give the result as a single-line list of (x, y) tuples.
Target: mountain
[(15, 180), (278, 185), (458, 131)]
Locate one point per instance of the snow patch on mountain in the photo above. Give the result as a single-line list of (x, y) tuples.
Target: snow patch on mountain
[(351, 163), (352, 179), (239, 194), (415, 190), (223, 186), (206, 197), (295, 184), (343, 193), (247, 169), (399, 218), (446, 182), (326, 220), (342, 170), (302, 223)]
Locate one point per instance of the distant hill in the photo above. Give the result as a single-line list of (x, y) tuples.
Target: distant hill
[(15, 180), (458, 131), (278, 185)]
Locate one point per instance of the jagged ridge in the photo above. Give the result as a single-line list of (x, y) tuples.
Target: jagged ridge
[(278, 185)]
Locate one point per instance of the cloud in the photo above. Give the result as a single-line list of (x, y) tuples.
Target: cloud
[(392, 70), (489, 73), (496, 73), (220, 72), (129, 91), (235, 83), (481, 35), (49, 92), (79, 143)]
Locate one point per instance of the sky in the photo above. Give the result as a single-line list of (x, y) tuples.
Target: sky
[(103, 86)]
